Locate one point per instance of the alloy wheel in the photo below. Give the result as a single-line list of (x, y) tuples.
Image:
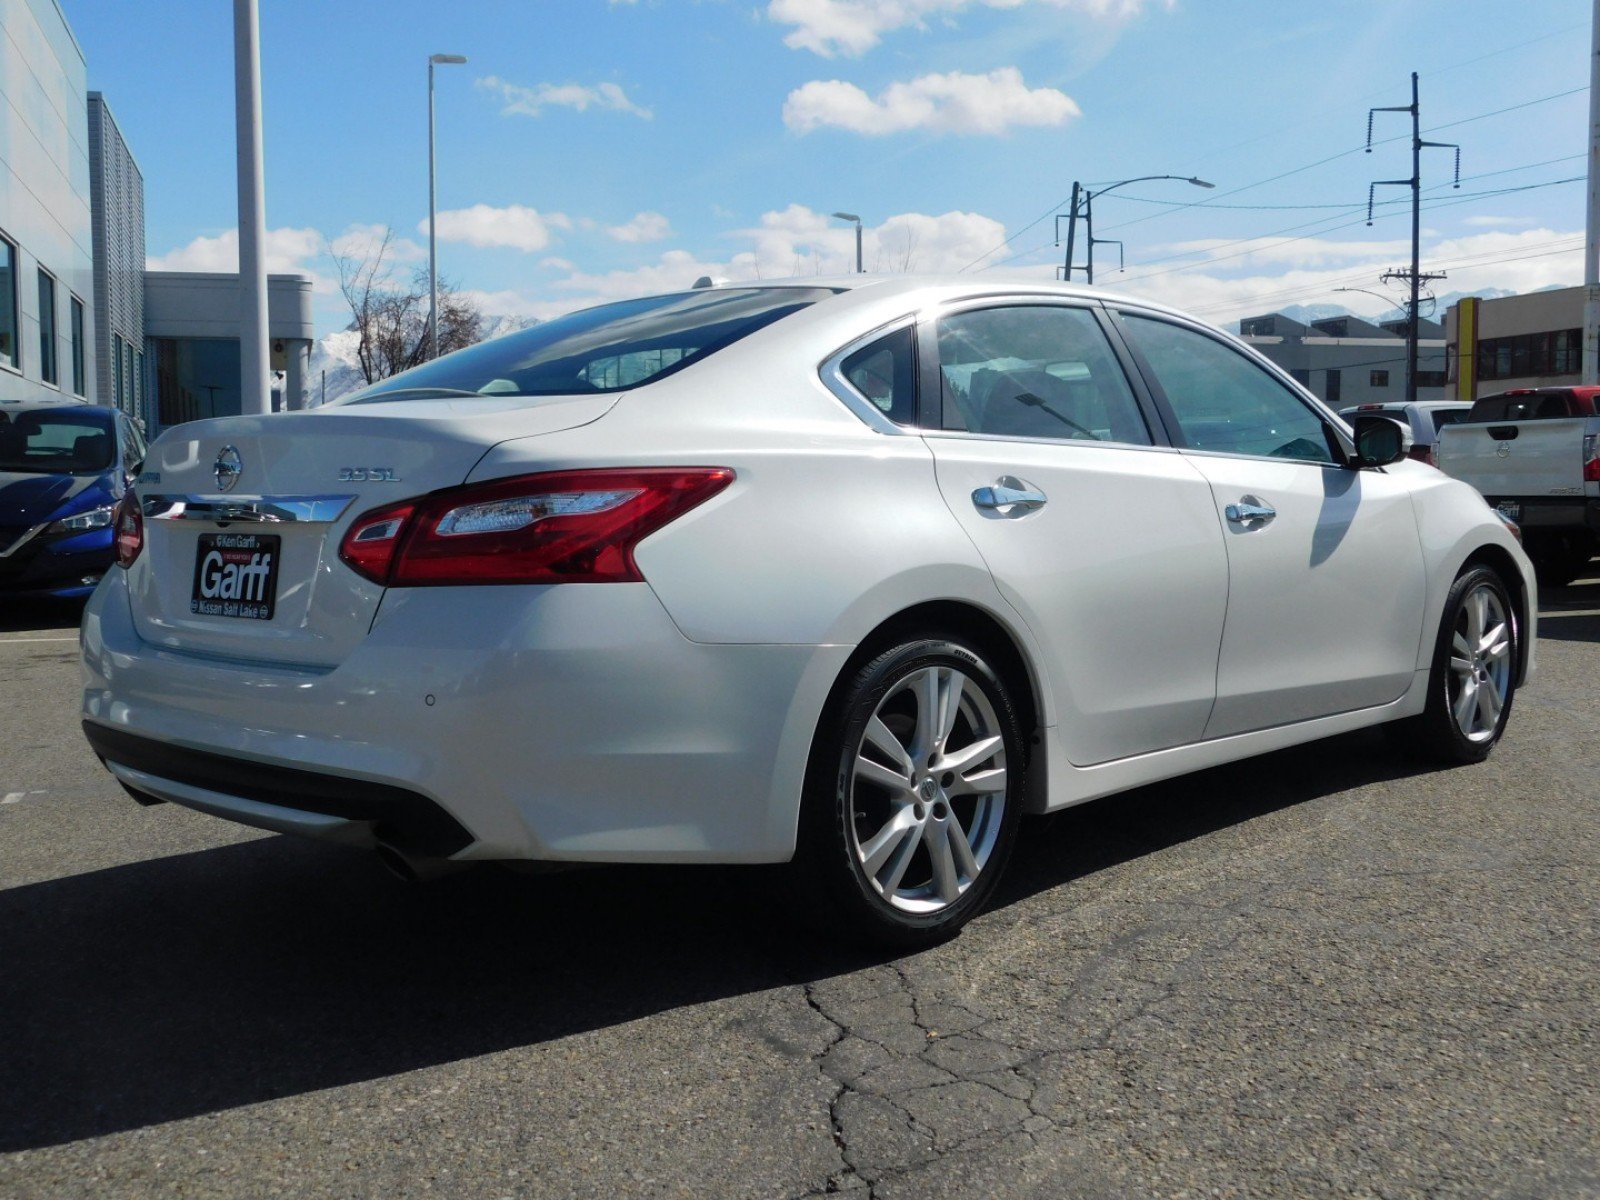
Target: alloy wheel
[(928, 791), (1480, 663)]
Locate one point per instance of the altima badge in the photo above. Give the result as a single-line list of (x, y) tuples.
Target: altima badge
[(228, 467)]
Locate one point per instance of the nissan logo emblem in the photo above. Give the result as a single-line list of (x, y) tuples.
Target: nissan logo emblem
[(1503, 450), (228, 467)]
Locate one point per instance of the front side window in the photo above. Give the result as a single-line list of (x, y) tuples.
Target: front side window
[(1224, 402), (47, 328), (8, 304), (56, 442), (1044, 371), (605, 349)]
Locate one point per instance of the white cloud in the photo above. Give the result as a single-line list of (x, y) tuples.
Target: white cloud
[(1499, 222), (362, 241), (645, 227), (1520, 262), (796, 241), (532, 101), (514, 226), (286, 250), (852, 27), (952, 103), (1292, 252)]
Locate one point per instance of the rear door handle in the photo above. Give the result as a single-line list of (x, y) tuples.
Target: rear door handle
[(1251, 512), (1000, 496)]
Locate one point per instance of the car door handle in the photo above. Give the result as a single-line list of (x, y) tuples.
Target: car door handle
[(1250, 511), (1000, 496)]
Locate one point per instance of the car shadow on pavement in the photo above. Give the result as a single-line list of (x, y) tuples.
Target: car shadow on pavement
[(29, 614), (199, 982), (1571, 614)]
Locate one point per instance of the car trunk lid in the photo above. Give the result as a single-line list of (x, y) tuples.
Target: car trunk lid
[(243, 516)]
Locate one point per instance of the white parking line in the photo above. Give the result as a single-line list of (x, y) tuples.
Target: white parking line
[(5, 641), (18, 797)]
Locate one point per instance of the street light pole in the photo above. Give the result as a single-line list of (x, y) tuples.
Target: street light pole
[(1083, 205), (253, 394), (433, 244), (843, 216)]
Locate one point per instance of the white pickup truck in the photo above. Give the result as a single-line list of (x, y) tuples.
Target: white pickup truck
[(1534, 453)]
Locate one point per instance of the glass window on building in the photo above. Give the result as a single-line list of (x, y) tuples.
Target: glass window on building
[(1331, 396), (8, 305), (79, 375), (48, 368), (194, 378), (1379, 379), (116, 370), (138, 384)]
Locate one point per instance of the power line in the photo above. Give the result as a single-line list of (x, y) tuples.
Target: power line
[(1208, 203)]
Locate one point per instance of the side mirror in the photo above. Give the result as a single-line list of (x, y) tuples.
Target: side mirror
[(1380, 441)]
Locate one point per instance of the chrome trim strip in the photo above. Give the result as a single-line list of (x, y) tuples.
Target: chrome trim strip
[(25, 539), (255, 510), (831, 372)]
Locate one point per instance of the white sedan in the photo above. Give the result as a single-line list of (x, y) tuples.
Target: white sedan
[(850, 573)]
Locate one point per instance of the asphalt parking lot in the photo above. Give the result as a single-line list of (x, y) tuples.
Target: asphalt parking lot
[(1325, 972)]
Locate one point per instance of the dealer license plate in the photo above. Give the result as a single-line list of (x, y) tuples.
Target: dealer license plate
[(1511, 510), (235, 575)]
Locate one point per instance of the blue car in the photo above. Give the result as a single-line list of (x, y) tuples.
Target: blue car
[(63, 466)]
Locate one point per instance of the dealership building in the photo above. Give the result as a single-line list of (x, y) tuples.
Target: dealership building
[(1345, 360), (1510, 342), (80, 317)]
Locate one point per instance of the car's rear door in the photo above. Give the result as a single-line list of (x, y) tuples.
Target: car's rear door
[(1104, 541), (1325, 572)]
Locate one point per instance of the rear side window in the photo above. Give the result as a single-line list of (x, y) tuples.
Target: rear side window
[(1222, 400), (1528, 406), (1044, 371), (605, 349), (885, 373)]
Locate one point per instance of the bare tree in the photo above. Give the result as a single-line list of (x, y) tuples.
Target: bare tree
[(392, 319)]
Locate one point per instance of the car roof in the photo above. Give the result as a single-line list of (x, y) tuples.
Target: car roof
[(12, 407), (951, 285)]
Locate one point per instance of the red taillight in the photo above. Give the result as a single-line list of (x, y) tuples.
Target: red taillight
[(129, 524), (1423, 454), (559, 527), (1591, 457)]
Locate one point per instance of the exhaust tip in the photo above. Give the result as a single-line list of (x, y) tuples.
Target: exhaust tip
[(411, 869)]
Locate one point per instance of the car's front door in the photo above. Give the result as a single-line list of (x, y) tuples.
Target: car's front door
[(1326, 578), (1104, 542)]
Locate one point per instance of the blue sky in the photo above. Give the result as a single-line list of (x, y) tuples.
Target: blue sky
[(590, 150)]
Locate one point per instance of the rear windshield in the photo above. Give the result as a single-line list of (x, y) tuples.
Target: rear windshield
[(605, 349), (1449, 416), (1529, 406), (70, 442)]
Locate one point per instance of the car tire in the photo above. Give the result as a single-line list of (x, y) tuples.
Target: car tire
[(913, 795), (1473, 678)]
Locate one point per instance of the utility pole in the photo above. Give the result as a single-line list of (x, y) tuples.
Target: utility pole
[(1591, 264), (1072, 224), (1415, 275)]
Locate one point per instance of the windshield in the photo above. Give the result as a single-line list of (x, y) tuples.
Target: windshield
[(69, 442), (604, 349)]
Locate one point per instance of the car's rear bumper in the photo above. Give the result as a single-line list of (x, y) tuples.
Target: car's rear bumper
[(569, 723)]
